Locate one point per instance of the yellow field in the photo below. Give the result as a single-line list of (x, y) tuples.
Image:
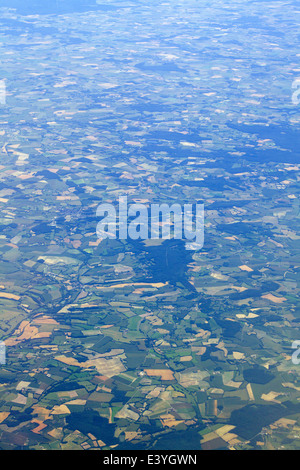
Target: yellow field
[(5, 295)]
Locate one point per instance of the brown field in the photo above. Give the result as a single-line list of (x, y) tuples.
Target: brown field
[(246, 268), (26, 331), (276, 300), (45, 320), (107, 367), (4, 415), (164, 374), (132, 284), (169, 421)]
